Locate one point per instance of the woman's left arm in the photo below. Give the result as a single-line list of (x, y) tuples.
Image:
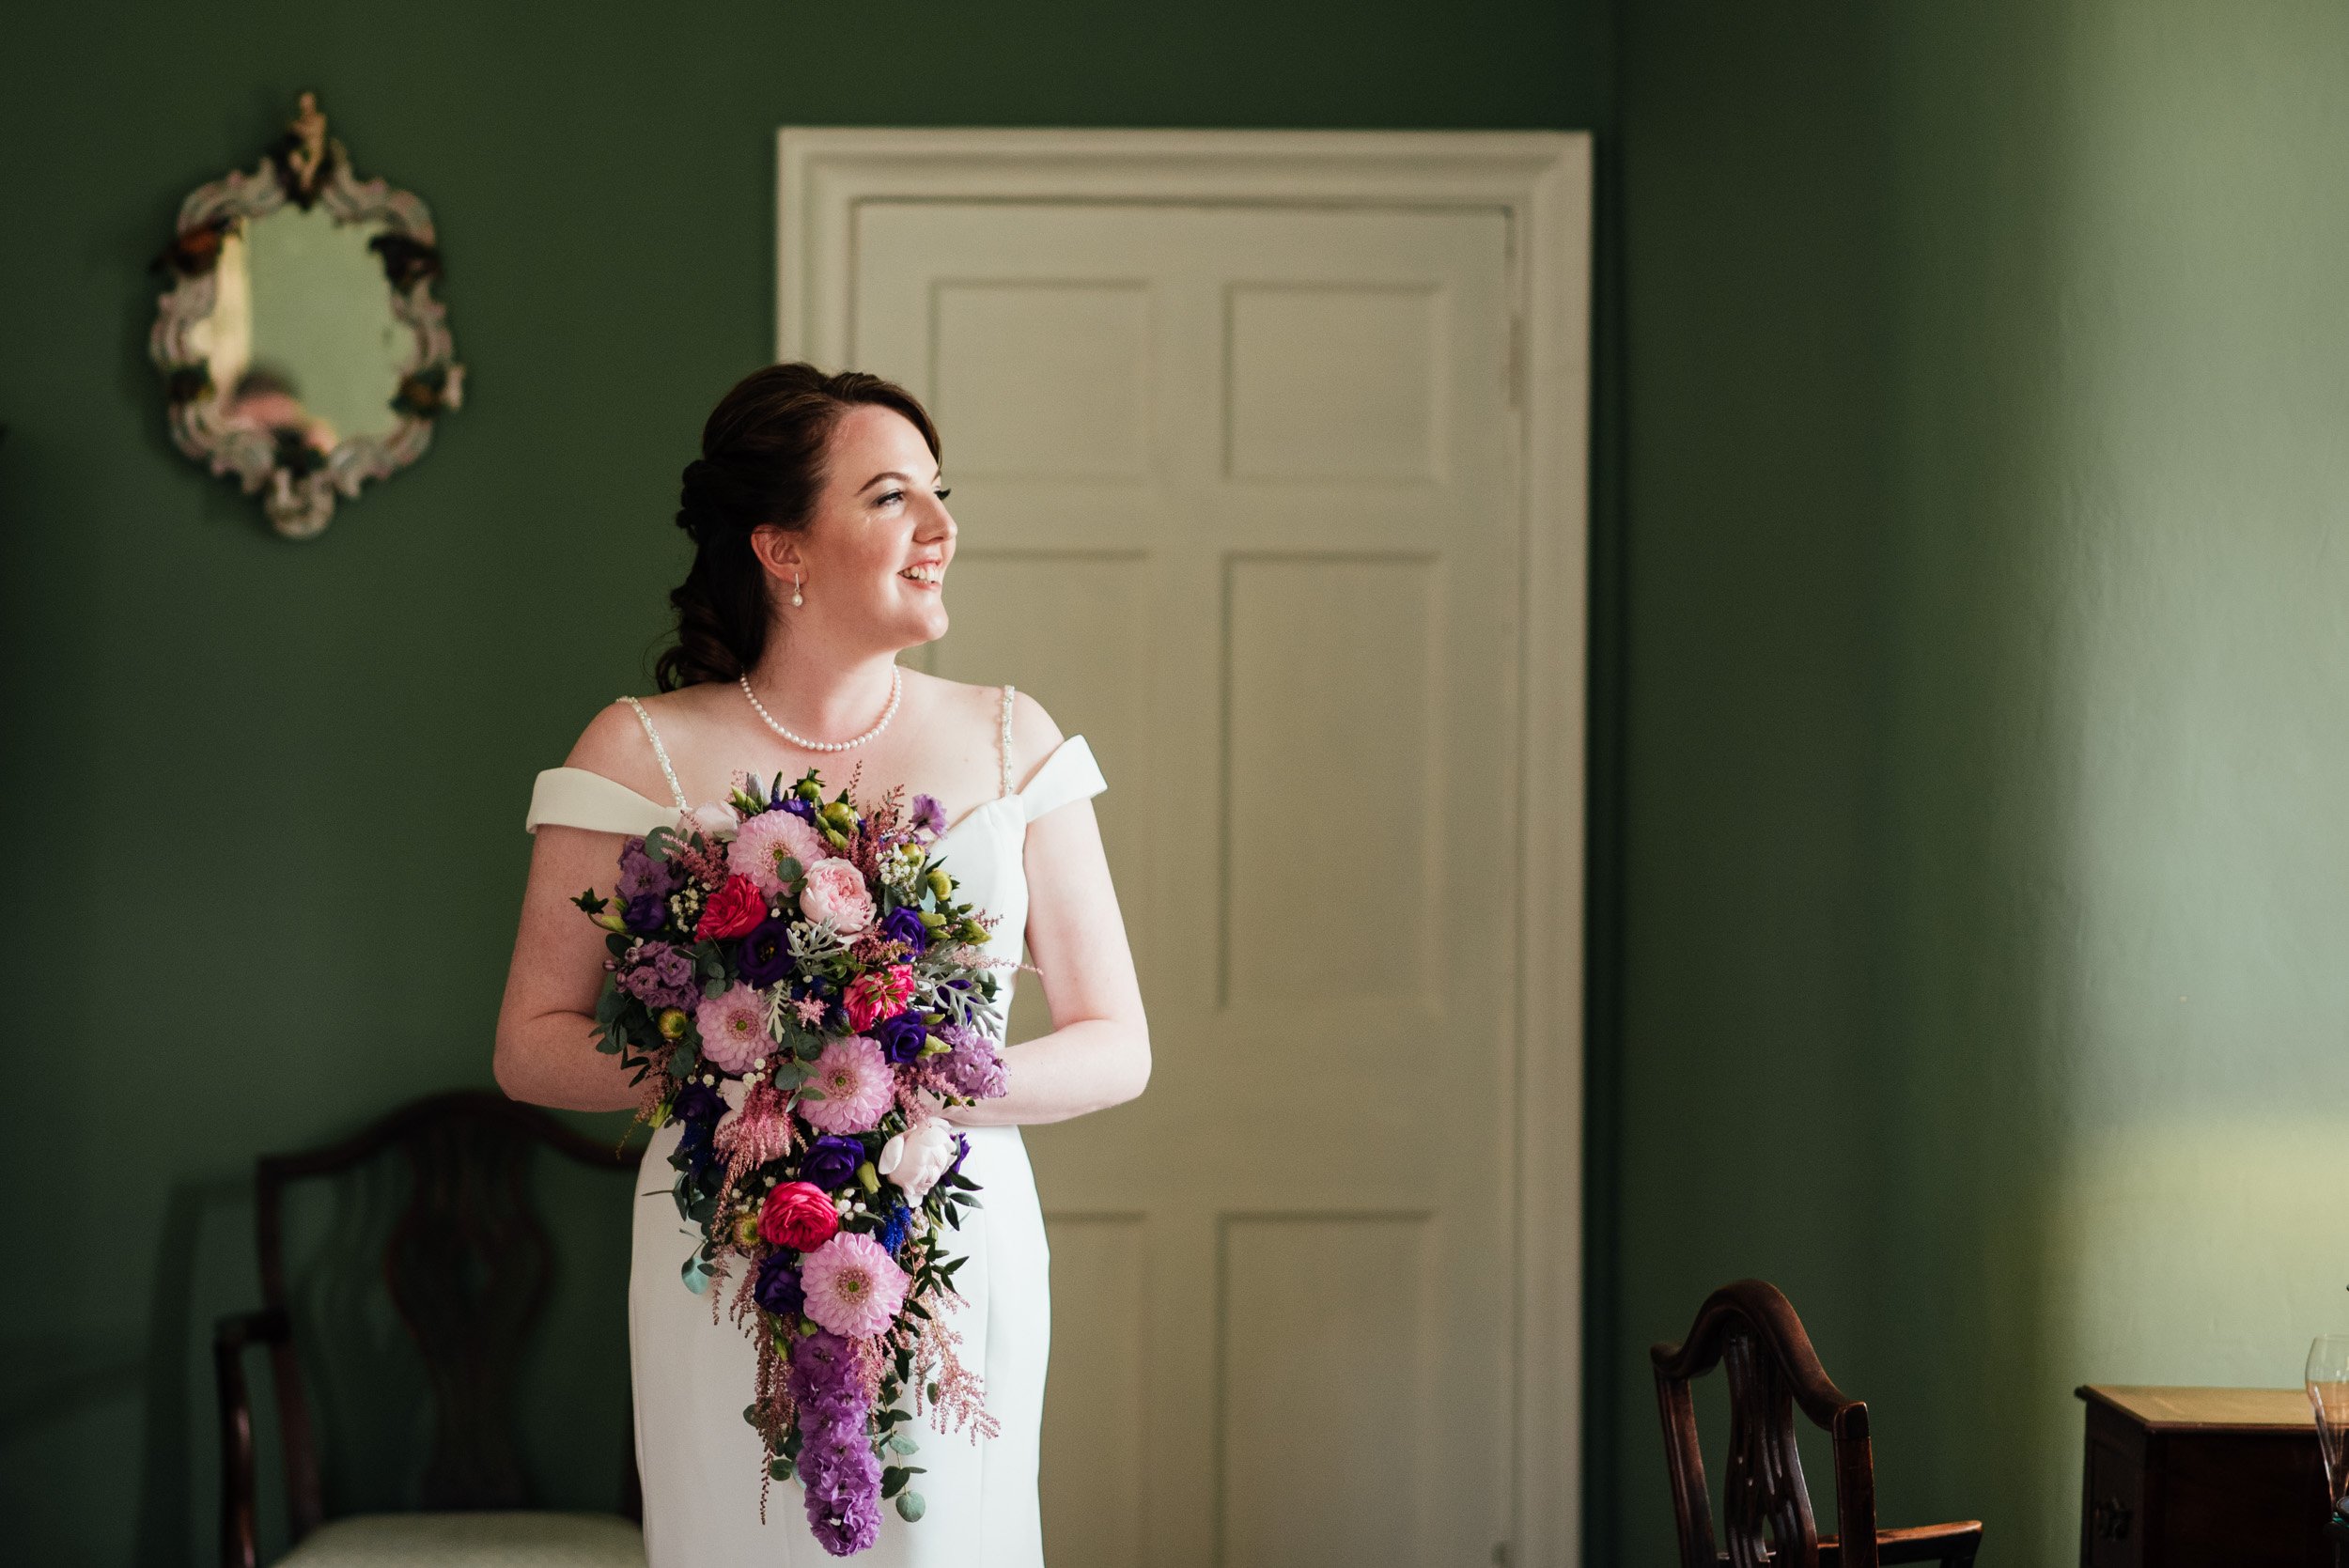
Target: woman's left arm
[(1099, 1052)]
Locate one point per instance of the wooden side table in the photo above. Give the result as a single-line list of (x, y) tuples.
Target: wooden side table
[(2203, 1476)]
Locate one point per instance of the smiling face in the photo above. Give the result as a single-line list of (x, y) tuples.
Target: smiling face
[(880, 515)]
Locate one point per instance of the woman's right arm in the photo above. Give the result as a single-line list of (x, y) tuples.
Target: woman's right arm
[(546, 1032)]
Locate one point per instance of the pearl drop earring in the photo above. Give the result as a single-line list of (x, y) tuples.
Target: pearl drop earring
[(795, 589)]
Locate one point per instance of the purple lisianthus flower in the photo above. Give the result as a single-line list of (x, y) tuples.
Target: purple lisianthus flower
[(645, 912), (698, 1102), (640, 874), (798, 808), (902, 1036), (904, 924), (696, 1110), (962, 1147), (765, 954), (778, 1288), (661, 976), (830, 1162), (928, 814)]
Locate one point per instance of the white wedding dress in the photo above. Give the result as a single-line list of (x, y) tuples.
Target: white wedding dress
[(699, 1460)]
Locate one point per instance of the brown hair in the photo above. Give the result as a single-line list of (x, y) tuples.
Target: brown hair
[(762, 462)]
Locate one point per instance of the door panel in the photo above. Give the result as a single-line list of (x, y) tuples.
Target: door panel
[(1237, 489)]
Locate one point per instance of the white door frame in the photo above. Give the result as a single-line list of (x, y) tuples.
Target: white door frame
[(1541, 182)]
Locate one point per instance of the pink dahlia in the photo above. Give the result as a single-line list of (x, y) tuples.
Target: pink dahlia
[(854, 1287), (853, 1077), (766, 841), (733, 1026)]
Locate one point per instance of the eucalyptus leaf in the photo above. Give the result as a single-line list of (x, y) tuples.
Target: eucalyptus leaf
[(910, 1507)]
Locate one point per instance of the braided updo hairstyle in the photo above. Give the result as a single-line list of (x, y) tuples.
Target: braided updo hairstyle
[(762, 462)]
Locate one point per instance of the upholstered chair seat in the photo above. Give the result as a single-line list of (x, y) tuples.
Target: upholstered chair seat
[(517, 1539)]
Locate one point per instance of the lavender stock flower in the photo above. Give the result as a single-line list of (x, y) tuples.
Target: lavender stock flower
[(640, 874), (661, 976), (973, 1066)]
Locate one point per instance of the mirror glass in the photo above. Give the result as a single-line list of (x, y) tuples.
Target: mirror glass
[(302, 350), (301, 337)]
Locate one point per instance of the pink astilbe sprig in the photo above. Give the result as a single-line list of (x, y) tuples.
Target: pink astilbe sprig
[(873, 951), (777, 1411), (752, 1136), (872, 1366), (937, 1358), (706, 866)]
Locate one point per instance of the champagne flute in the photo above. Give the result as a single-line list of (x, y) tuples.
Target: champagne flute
[(2328, 1396)]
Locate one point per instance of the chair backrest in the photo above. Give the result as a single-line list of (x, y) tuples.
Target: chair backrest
[(1750, 1330), (467, 1265)]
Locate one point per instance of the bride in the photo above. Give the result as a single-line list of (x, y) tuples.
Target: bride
[(822, 546)]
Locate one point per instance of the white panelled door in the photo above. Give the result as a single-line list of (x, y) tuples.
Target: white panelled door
[(1239, 501)]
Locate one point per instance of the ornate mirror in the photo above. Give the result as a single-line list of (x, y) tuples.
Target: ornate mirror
[(302, 349)]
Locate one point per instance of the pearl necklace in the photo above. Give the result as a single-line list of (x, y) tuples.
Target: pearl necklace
[(896, 690)]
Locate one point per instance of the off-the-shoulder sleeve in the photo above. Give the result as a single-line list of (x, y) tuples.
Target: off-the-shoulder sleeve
[(1069, 774), (575, 797)]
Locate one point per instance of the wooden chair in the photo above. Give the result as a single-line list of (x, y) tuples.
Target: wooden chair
[(467, 1268), (1772, 1368)]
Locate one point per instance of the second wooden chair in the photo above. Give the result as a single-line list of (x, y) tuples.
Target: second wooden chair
[(1771, 1368)]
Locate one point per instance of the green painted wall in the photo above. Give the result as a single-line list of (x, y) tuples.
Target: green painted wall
[(1966, 655), (1982, 869), (277, 788)]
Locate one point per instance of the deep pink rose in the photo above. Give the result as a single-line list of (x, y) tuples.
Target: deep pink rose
[(733, 910), (834, 891), (798, 1215)]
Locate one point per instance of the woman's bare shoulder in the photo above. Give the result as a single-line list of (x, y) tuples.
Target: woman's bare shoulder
[(978, 712), (1035, 735), (615, 745), (973, 708)]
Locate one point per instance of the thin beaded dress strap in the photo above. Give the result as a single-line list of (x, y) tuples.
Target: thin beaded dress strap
[(660, 750), (1006, 741)]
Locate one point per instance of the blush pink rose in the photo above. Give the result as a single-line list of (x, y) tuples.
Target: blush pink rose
[(835, 891)]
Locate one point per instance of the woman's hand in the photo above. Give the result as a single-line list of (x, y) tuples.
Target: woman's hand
[(1099, 1052)]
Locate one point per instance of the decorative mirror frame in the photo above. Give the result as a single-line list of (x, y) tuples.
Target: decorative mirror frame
[(308, 168)]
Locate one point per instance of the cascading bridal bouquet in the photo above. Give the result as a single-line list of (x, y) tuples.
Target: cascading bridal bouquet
[(795, 985)]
